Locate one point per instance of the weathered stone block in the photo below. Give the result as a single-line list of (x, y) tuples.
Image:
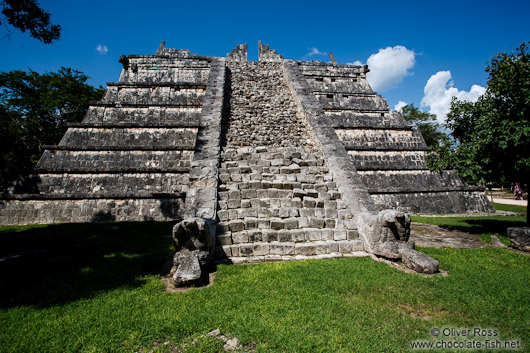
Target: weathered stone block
[(304, 249), (250, 222), (240, 237), (419, 262), (261, 249), (246, 250), (269, 235), (236, 225), (340, 234), (277, 223), (188, 272)]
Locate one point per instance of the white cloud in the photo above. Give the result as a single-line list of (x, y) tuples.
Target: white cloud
[(439, 91), (315, 51), (356, 63), (102, 49), (400, 106), (389, 66)]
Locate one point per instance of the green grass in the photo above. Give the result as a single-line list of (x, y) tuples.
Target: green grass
[(97, 288), (510, 208), (483, 226)]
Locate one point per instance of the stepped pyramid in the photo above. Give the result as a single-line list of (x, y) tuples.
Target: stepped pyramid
[(285, 155)]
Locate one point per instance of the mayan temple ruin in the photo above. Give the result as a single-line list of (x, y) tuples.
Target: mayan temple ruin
[(288, 158)]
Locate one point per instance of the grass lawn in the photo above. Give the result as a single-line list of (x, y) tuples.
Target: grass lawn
[(97, 288)]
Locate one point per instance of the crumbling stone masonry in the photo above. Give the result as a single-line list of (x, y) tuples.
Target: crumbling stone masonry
[(291, 159)]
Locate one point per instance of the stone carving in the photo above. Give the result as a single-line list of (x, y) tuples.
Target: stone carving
[(520, 238), (387, 235), (194, 240), (124, 60)]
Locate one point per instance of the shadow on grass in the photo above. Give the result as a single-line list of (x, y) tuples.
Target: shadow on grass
[(57, 264), (483, 226)]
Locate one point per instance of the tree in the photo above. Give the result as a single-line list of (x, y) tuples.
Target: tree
[(34, 111), (492, 135), (426, 123), (28, 15)]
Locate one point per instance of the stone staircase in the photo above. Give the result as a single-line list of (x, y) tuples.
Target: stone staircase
[(276, 199), (278, 203)]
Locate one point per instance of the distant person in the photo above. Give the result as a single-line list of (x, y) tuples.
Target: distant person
[(518, 192)]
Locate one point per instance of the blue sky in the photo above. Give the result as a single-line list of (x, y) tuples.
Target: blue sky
[(408, 43)]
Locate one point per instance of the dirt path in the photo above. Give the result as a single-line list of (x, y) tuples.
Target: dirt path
[(426, 235)]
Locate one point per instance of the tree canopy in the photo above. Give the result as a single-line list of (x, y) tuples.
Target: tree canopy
[(492, 136), (34, 110), (27, 15), (427, 125)]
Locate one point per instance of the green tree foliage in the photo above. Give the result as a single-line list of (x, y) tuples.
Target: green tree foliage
[(34, 110), (427, 125), (27, 15), (492, 135)]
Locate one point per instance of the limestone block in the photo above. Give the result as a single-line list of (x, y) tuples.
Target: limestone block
[(270, 235), (312, 234), (305, 249), (255, 236), (240, 237), (285, 235), (236, 225), (277, 223), (246, 250), (261, 249), (419, 262), (188, 271)]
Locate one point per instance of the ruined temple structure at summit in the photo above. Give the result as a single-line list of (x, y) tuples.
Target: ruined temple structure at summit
[(279, 153)]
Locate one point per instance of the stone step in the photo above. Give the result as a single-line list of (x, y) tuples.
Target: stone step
[(299, 189), (222, 259), (309, 248), (308, 197), (271, 176), (262, 161), (263, 232), (302, 215), (288, 169), (259, 199)]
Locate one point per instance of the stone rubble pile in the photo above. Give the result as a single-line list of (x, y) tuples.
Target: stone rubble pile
[(262, 111)]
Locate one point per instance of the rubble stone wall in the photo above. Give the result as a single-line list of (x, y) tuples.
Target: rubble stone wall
[(262, 111)]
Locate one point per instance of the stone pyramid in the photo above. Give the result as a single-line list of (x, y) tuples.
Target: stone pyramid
[(285, 155)]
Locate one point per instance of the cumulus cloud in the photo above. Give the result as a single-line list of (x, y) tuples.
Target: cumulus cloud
[(389, 66), (356, 63), (102, 49), (439, 91), (400, 106), (315, 51)]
